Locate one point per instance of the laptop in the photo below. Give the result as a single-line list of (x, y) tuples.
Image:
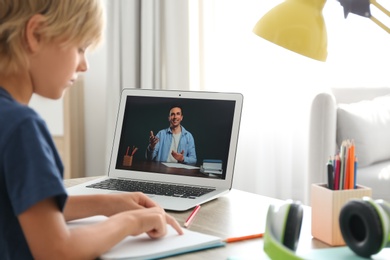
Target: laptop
[(213, 121)]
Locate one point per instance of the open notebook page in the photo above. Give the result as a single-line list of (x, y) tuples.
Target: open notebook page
[(143, 247)]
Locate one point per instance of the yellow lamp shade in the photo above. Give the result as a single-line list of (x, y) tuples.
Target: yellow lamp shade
[(297, 25)]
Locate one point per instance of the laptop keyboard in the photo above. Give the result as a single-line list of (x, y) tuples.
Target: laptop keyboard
[(155, 188)]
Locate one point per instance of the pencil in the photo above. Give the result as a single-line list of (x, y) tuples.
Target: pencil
[(134, 150), (352, 166), (347, 165), (337, 173), (236, 239), (191, 216)]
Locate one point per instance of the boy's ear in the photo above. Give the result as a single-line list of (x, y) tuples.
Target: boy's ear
[(33, 32)]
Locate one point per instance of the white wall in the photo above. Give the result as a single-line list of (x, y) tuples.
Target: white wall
[(51, 111)]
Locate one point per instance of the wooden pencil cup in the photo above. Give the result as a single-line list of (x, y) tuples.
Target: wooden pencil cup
[(325, 210), (127, 160)]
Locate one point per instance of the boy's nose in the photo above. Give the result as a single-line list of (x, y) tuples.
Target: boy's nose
[(83, 66)]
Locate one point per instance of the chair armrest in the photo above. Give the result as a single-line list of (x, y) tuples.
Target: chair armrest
[(322, 137)]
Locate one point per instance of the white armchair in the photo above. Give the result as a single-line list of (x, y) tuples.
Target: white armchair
[(362, 114)]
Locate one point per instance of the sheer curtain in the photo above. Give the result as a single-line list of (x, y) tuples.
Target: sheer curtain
[(278, 85), (147, 48)]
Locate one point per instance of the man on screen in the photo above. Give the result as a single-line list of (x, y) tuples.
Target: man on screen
[(173, 144)]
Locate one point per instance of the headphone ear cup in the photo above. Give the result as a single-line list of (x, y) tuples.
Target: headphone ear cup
[(361, 227), (293, 226)]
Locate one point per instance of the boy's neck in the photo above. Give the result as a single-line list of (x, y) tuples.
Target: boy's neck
[(18, 87)]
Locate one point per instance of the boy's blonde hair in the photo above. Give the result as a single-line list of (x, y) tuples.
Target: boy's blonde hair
[(72, 21)]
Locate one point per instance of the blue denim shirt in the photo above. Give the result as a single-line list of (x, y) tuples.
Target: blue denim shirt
[(162, 148)]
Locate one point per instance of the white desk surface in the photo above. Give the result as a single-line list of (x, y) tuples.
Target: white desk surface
[(237, 213)]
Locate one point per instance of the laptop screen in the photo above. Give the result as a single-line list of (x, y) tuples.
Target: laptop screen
[(201, 149)]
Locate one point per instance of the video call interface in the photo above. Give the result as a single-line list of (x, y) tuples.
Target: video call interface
[(209, 121)]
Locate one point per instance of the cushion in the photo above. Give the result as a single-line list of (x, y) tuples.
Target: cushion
[(368, 123)]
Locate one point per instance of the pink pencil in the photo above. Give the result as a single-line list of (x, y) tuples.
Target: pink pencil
[(192, 215), (134, 150)]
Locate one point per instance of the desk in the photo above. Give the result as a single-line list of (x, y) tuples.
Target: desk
[(237, 213)]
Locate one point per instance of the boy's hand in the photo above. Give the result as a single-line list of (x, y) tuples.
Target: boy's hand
[(152, 221), (118, 202), (105, 204)]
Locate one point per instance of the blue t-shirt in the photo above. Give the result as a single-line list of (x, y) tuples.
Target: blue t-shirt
[(30, 171)]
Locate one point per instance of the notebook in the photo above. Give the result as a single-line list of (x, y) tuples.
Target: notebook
[(213, 121), (144, 247)]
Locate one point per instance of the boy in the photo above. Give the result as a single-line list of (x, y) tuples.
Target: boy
[(42, 49)]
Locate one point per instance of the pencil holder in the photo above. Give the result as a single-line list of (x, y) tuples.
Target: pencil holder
[(127, 160), (325, 210)]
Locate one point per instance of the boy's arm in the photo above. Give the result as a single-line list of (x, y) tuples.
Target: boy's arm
[(83, 206), (49, 237)]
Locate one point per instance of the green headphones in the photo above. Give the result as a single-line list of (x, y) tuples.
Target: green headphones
[(364, 225), (282, 230)]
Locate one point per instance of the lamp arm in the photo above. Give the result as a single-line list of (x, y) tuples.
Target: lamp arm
[(384, 27), (380, 7), (385, 11)]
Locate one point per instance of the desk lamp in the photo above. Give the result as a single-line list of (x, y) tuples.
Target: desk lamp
[(298, 25)]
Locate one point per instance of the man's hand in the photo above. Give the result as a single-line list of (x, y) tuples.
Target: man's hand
[(178, 156), (153, 140)]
